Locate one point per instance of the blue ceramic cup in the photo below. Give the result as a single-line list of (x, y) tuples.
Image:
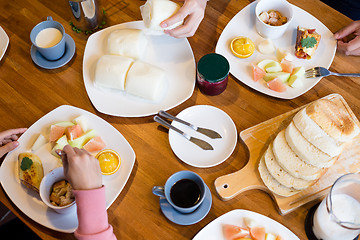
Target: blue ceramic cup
[(51, 53), (183, 190)]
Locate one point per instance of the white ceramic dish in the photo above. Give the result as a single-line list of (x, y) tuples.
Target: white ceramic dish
[(207, 117), (173, 55), (243, 24), (235, 217), (28, 201), (4, 42)]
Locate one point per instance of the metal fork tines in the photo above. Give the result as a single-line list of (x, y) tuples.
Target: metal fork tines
[(323, 72)]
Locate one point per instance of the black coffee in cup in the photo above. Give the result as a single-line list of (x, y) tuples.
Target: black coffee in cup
[(185, 193)]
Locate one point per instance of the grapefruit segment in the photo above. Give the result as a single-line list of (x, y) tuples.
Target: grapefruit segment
[(276, 84), (258, 73), (232, 232), (56, 132), (257, 233), (286, 66), (94, 145), (73, 132)]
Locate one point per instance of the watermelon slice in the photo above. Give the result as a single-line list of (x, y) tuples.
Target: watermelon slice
[(232, 232), (258, 73), (56, 132), (257, 233), (276, 84), (286, 66), (73, 132), (94, 145)]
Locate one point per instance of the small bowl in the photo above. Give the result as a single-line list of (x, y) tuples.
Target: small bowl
[(45, 187), (266, 30)]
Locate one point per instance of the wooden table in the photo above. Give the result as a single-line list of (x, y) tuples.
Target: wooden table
[(28, 92)]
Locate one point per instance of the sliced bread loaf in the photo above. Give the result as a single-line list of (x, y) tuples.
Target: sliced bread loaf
[(315, 135), (271, 182), (334, 120), (305, 150), (289, 161), (281, 175)]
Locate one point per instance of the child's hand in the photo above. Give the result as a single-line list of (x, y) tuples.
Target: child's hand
[(8, 140)]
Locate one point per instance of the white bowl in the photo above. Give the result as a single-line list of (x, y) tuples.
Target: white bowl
[(266, 30), (45, 187)]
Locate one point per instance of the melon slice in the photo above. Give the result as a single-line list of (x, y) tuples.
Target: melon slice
[(82, 121), (73, 132), (232, 232), (41, 140), (60, 144), (277, 85), (95, 144), (80, 141)]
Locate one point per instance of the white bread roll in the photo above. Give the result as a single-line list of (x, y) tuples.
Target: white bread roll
[(281, 175), (145, 80), (289, 161), (315, 135), (154, 12), (271, 182), (334, 120), (127, 42), (305, 150), (111, 71)]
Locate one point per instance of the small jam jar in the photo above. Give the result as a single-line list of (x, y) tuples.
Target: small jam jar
[(212, 74)]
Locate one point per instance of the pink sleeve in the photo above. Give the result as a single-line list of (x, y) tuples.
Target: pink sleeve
[(92, 215)]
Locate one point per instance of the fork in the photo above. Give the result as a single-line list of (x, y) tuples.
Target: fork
[(323, 72)]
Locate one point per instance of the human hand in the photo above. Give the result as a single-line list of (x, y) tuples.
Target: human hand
[(8, 140), (349, 39), (81, 169), (193, 11)]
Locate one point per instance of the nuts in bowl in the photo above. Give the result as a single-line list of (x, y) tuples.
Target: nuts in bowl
[(56, 192), (272, 17)]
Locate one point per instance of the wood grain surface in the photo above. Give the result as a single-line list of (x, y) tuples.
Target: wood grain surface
[(27, 92)]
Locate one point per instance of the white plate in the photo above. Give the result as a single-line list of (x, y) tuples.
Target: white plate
[(208, 117), (4, 42), (235, 217), (173, 55), (243, 24), (28, 201)]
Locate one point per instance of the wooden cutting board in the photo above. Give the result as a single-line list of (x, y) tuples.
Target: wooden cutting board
[(257, 139)]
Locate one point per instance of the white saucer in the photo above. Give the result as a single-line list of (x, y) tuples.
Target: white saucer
[(207, 117), (188, 218), (47, 64)]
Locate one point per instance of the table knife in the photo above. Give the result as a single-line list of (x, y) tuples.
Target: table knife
[(207, 132), (201, 143)]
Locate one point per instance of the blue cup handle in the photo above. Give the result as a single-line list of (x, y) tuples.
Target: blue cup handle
[(49, 18), (158, 191)]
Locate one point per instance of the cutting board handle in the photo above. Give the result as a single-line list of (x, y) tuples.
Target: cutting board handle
[(228, 186)]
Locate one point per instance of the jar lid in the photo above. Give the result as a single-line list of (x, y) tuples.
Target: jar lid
[(213, 67)]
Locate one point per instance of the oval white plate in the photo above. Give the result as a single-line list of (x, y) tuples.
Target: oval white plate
[(4, 42), (243, 24), (214, 230), (173, 55), (208, 117), (28, 201)]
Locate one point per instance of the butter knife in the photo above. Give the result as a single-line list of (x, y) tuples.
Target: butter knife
[(207, 132), (201, 143)]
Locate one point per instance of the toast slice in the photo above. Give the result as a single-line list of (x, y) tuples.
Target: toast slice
[(30, 170), (307, 41)]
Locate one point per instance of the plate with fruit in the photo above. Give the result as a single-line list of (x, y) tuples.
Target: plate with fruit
[(78, 128), (286, 69), (244, 224)]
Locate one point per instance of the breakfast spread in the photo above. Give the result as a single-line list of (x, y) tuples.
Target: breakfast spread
[(153, 12), (30, 170), (307, 41), (273, 18), (302, 152), (61, 194)]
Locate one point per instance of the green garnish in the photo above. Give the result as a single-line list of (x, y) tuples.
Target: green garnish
[(308, 42), (87, 32), (26, 163)]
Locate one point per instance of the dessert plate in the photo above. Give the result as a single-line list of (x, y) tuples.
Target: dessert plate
[(172, 55), (28, 201), (189, 218), (208, 117), (241, 68), (236, 217), (4, 42)]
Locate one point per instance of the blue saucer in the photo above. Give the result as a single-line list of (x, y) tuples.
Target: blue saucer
[(189, 218), (47, 64)]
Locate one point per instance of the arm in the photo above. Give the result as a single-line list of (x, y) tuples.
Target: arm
[(193, 11), (349, 39), (83, 172), (8, 140)]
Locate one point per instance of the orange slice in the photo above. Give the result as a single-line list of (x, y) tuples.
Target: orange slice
[(242, 47), (109, 161)]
